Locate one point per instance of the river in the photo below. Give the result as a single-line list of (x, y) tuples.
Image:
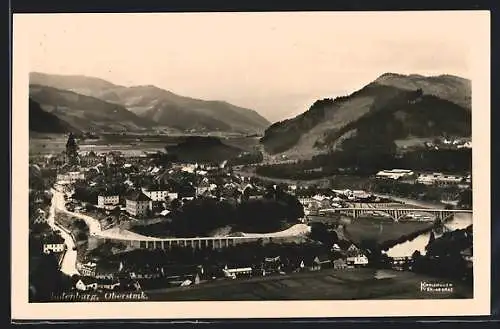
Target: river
[(406, 249)]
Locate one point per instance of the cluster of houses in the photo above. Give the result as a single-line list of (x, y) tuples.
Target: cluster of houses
[(100, 275), (458, 143), (443, 179), (321, 203), (151, 186), (435, 178)]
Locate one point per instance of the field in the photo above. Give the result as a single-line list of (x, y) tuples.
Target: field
[(382, 231), (128, 144), (329, 284)]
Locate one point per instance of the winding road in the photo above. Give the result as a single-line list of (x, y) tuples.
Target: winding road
[(68, 265)]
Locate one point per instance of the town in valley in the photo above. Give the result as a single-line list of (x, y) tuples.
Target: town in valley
[(344, 172)]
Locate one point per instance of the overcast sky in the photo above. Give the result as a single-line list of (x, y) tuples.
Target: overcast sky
[(275, 63)]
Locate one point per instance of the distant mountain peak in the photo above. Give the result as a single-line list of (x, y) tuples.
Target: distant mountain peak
[(393, 75), (443, 104), (158, 106), (77, 80)]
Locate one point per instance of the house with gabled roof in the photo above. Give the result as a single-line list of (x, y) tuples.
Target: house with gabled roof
[(271, 265), (86, 283), (54, 243), (39, 217), (108, 199), (360, 260), (353, 250), (138, 204)]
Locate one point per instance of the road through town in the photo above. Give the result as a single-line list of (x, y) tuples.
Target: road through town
[(68, 265)]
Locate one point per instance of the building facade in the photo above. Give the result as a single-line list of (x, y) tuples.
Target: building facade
[(156, 195), (138, 204), (108, 200), (88, 269), (54, 244), (439, 179), (394, 174), (72, 176)]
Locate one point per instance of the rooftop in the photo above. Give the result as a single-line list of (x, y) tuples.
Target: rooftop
[(53, 239), (138, 196)]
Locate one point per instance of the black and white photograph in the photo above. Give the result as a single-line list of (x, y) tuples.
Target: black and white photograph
[(263, 157)]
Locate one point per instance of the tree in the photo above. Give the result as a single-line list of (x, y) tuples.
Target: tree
[(465, 200), (47, 279), (175, 204), (416, 255), (432, 238)]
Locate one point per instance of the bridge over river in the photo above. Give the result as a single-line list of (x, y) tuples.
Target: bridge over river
[(398, 213)]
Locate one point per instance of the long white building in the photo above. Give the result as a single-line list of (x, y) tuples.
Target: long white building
[(394, 173)]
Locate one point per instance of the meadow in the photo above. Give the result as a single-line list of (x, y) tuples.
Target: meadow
[(330, 284)]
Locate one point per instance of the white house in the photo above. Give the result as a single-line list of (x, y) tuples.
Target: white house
[(156, 194), (54, 243), (358, 260), (86, 284), (236, 271), (88, 269), (105, 200), (173, 195), (428, 179)]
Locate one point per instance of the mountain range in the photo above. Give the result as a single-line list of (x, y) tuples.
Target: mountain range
[(89, 103), (392, 107), (45, 122)]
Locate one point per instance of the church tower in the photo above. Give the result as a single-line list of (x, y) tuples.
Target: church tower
[(71, 150)]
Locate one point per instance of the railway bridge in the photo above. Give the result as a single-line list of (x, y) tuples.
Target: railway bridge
[(399, 213)]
